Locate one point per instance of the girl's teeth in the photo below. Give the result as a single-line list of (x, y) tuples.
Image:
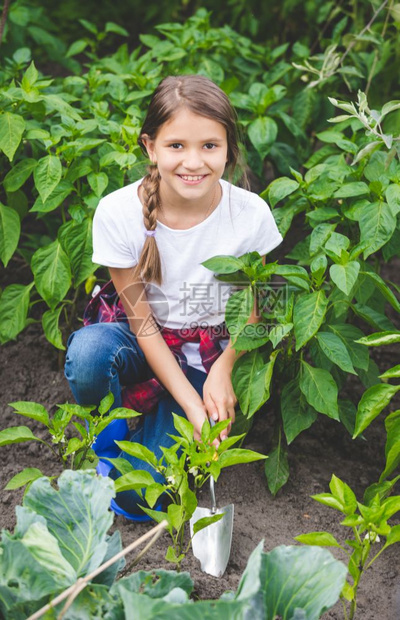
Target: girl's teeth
[(190, 178)]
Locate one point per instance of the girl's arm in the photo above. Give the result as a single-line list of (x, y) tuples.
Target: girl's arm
[(219, 396), (158, 355)]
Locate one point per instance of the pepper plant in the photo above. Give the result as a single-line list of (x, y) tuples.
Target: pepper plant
[(72, 452), (185, 466), (313, 312), (367, 520)]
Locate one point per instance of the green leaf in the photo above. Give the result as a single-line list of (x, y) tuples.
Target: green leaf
[(76, 47), (77, 515), (320, 390), (24, 477), (35, 411), (372, 402), (55, 199), (12, 127), (111, 27), (349, 335), (51, 269), (205, 522), (184, 427), (238, 455), (320, 539), (45, 548), (383, 288), (394, 536), (14, 304), (319, 237), (327, 499), (120, 464), (153, 492), (335, 350), (238, 311), (349, 190), (50, 320), (262, 133), (47, 175), (16, 434), (30, 77), (377, 225), (277, 467), (10, 229), (391, 373), (19, 174), (223, 264), (98, 181), (375, 319), (137, 479), (280, 189), (393, 197), (106, 403), (175, 516), (380, 338), (297, 414), (308, 316), (253, 336), (171, 556), (248, 379), (345, 276), (300, 578), (138, 451), (279, 332)]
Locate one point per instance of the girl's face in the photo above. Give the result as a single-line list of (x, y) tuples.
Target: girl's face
[(191, 154)]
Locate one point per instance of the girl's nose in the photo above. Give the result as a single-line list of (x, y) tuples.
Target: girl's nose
[(192, 160)]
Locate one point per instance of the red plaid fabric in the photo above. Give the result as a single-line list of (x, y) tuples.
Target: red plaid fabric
[(106, 307)]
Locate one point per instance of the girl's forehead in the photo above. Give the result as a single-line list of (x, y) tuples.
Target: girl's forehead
[(184, 121)]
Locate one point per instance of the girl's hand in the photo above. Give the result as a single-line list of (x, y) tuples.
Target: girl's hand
[(218, 395), (196, 414)]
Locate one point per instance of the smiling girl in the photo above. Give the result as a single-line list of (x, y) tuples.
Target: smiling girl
[(166, 348)]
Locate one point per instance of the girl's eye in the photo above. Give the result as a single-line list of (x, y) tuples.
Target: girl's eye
[(209, 146), (176, 145)]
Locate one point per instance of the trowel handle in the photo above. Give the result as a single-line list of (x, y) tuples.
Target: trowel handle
[(212, 488), (212, 493)]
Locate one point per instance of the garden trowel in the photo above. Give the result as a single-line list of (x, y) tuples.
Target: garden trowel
[(212, 545)]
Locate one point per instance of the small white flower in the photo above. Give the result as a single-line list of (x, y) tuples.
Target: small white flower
[(373, 537), (194, 471), (171, 480)]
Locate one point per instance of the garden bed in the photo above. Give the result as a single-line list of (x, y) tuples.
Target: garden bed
[(29, 371)]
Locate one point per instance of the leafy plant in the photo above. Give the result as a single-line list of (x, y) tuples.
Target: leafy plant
[(367, 520), (61, 535), (73, 453), (313, 312), (186, 460)]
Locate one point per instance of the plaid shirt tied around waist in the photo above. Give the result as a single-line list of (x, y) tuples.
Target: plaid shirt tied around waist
[(106, 307)]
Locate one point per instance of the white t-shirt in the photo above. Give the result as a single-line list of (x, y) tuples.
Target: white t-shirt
[(190, 294)]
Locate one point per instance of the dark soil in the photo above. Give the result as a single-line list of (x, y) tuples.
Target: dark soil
[(29, 371)]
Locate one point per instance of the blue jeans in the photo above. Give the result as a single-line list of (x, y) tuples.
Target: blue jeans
[(104, 357)]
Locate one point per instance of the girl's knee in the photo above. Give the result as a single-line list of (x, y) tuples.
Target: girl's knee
[(88, 353)]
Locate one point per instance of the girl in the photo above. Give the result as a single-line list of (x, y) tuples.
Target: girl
[(167, 343)]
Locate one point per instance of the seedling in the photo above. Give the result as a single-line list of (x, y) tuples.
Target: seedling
[(186, 466), (74, 452)]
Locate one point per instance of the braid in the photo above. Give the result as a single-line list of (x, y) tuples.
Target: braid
[(149, 265)]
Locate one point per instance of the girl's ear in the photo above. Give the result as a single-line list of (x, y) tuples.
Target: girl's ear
[(148, 143)]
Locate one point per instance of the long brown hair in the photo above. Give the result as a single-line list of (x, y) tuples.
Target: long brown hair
[(201, 96)]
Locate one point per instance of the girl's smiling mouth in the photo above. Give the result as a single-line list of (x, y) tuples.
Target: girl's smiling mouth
[(192, 178)]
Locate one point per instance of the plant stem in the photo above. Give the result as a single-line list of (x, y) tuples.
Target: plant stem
[(374, 63), (46, 443), (363, 31)]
